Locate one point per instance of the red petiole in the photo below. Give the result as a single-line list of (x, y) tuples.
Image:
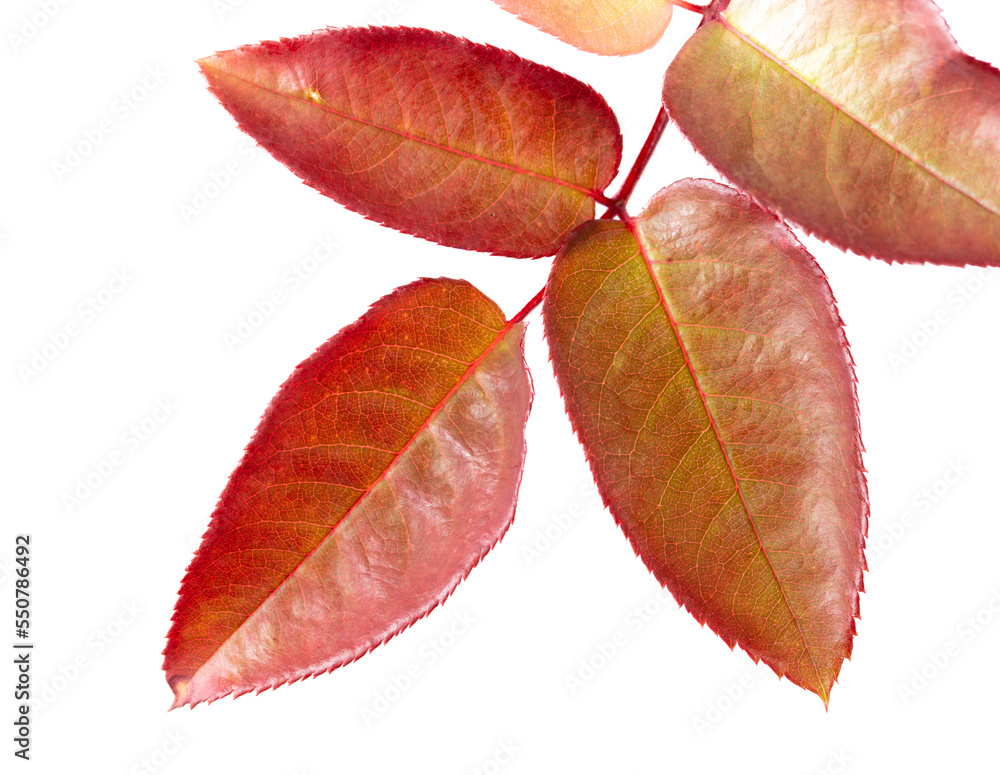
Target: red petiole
[(616, 205)]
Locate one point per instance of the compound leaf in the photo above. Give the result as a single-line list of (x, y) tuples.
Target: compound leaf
[(706, 372), (386, 467), (613, 27), (452, 141), (863, 122)]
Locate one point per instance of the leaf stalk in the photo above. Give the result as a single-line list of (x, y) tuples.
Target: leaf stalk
[(616, 209), (528, 308), (699, 9), (616, 205)]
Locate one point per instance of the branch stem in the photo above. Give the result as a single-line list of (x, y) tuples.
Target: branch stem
[(527, 308), (616, 209), (615, 205), (699, 9)]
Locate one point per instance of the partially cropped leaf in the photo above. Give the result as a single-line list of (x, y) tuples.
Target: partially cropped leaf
[(453, 141), (615, 27), (706, 372), (386, 467), (861, 121)]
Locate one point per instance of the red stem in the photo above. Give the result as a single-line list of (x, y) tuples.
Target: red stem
[(616, 205), (527, 308), (690, 6)]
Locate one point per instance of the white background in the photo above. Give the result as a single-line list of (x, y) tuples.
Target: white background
[(503, 680)]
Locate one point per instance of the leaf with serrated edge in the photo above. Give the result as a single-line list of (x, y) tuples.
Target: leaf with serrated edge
[(706, 372), (863, 122), (456, 142), (386, 467), (611, 27)]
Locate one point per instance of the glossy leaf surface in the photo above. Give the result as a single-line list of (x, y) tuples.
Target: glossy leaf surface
[(706, 372), (456, 142), (601, 26), (386, 467), (863, 122)]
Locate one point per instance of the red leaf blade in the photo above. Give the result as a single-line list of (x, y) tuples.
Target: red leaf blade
[(862, 122), (386, 467), (707, 375), (455, 142), (607, 27)]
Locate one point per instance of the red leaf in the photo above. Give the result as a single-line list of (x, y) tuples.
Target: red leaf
[(861, 121), (705, 370), (608, 27), (453, 141), (386, 467)]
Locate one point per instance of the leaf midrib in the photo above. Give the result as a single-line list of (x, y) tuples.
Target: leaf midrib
[(467, 375), (592, 193), (737, 482), (940, 176)]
